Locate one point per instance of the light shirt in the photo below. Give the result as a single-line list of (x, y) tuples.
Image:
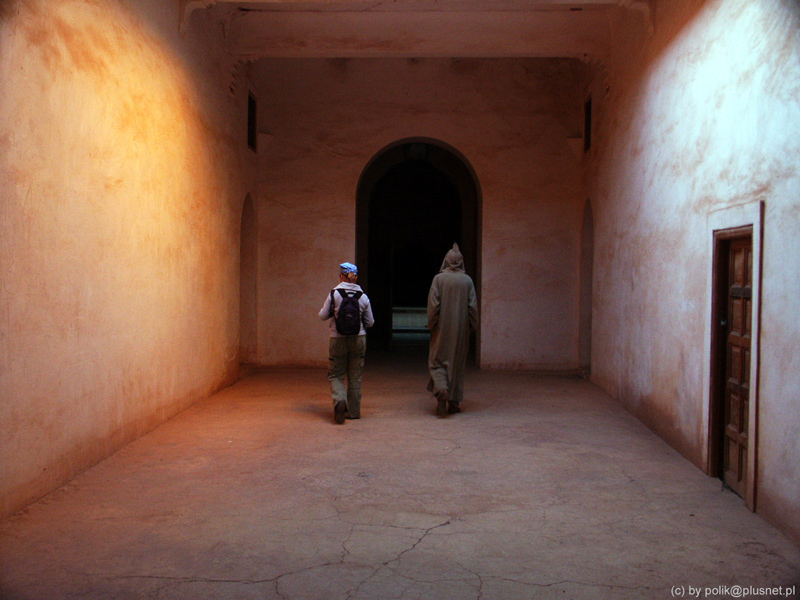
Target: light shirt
[(367, 320)]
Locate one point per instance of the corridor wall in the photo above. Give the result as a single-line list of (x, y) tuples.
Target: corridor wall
[(123, 174), (701, 116)]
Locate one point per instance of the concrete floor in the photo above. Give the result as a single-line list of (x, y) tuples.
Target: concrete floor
[(543, 488)]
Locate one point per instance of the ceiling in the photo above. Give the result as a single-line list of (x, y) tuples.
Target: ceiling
[(418, 28)]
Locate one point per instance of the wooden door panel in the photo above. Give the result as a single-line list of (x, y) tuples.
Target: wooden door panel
[(732, 412), (745, 417), (748, 312), (736, 466), (737, 316), (737, 369), (734, 364)]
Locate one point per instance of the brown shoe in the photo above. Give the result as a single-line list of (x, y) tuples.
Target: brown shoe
[(453, 408), (338, 412), (441, 404)]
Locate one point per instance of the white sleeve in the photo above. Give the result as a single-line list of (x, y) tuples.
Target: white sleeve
[(325, 311)]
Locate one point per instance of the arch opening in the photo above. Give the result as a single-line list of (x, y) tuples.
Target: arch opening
[(587, 268), (248, 287), (415, 199)]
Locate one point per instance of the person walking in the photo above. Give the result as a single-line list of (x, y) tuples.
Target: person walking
[(452, 314), (350, 313)]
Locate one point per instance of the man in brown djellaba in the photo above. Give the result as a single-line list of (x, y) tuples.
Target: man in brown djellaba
[(452, 314)]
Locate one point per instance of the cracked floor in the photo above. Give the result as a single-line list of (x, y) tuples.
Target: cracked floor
[(543, 487)]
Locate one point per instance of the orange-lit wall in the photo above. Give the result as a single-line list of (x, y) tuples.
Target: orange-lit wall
[(123, 166), (701, 121)]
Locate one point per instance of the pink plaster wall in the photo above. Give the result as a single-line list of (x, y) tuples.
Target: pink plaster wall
[(122, 176), (704, 118), (514, 120)]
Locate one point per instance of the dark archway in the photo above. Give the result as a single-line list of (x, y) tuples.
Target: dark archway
[(415, 199), (587, 269), (248, 284)]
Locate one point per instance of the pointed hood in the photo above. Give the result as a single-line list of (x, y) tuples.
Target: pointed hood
[(453, 261)]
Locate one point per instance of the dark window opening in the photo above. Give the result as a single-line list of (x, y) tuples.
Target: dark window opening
[(587, 125), (252, 127)]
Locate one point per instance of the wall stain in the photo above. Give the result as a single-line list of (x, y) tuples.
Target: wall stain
[(7, 8), (66, 47), (88, 48)]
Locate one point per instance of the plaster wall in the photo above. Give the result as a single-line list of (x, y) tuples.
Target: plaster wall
[(515, 122), (123, 176), (703, 119)]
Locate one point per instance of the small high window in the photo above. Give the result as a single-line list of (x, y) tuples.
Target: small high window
[(587, 125), (252, 125)]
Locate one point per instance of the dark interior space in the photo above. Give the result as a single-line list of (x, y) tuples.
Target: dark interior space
[(415, 216), (415, 211)]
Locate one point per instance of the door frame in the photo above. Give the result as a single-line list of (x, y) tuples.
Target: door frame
[(722, 226)]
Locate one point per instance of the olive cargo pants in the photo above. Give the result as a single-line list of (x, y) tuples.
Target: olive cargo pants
[(346, 358)]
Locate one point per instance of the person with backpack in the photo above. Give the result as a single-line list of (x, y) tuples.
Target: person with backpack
[(350, 313)]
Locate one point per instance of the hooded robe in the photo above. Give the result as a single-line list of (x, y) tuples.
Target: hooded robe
[(452, 313)]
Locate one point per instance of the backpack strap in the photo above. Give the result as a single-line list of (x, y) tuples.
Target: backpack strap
[(360, 312), (344, 294)]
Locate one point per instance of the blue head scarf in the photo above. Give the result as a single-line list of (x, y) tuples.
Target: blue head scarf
[(347, 267)]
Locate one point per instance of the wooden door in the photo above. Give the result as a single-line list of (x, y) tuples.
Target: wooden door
[(737, 329)]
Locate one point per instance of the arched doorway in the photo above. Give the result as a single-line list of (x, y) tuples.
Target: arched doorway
[(415, 199), (587, 266), (248, 288)]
